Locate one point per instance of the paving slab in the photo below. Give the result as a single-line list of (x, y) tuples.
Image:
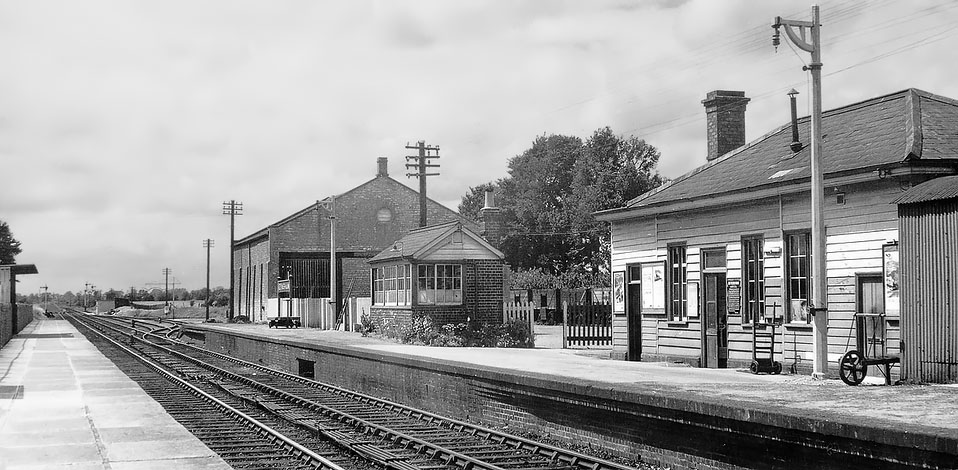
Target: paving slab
[(78, 411)]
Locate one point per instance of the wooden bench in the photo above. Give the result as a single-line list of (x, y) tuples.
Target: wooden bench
[(288, 322)]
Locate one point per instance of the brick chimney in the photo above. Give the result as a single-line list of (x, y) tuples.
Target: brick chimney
[(490, 218), (382, 164), (725, 112)]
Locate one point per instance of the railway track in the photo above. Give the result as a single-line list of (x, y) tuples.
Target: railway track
[(331, 421)]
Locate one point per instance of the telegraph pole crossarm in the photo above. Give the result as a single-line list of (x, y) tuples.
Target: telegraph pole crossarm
[(420, 163), (818, 301)]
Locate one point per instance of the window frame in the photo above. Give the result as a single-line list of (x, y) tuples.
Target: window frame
[(677, 279), (439, 284), (753, 291), (791, 316), (391, 286)]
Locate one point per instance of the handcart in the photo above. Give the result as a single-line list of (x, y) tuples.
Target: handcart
[(869, 350), (763, 350)]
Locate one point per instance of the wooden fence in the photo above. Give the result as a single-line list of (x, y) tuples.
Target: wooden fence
[(522, 311), (586, 325)]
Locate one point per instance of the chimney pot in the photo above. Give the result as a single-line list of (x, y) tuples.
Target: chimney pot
[(725, 113), (382, 164), (490, 200)]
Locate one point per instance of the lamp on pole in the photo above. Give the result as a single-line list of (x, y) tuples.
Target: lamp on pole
[(208, 243), (232, 208), (806, 35)]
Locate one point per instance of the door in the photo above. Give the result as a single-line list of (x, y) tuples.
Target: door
[(871, 321), (715, 336), (633, 310)]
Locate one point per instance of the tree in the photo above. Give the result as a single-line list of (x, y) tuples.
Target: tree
[(9, 246), (554, 187)]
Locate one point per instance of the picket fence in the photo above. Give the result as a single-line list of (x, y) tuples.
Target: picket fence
[(521, 311)]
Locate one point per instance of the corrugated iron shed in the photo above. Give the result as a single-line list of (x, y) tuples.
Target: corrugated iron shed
[(937, 189)]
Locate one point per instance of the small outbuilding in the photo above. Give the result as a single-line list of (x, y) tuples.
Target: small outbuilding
[(12, 321), (447, 272), (928, 225)]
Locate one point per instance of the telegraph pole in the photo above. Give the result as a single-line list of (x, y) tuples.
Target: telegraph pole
[(232, 209), (818, 307), (426, 153), (208, 243), (330, 206), (166, 289)]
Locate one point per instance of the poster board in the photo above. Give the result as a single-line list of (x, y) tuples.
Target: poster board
[(692, 299), (890, 280), (618, 292), (653, 285)]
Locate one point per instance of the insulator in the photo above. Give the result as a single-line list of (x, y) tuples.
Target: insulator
[(776, 38)]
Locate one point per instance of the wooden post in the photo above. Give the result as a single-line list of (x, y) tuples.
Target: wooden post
[(565, 325)]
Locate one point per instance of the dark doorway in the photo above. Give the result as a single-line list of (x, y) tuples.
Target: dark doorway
[(633, 311), (715, 337), (307, 369)]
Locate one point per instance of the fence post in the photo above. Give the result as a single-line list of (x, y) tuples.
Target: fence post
[(565, 325)]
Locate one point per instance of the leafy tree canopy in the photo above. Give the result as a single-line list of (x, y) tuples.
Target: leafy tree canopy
[(552, 190), (9, 246)]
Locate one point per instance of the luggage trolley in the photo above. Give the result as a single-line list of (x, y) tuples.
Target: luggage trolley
[(869, 351), (763, 343)]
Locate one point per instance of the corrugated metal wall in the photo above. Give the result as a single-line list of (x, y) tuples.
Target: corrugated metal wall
[(929, 291)]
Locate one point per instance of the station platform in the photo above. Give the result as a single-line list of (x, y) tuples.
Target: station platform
[(65, 405), (879, 418)]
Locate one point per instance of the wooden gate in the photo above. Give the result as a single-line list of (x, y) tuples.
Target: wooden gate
[(586, 325)]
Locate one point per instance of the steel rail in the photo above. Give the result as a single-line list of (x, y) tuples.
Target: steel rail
[(434, 450), (272, 435), (555, 453)]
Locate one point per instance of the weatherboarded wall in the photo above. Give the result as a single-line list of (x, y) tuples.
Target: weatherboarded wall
[(857, 230)]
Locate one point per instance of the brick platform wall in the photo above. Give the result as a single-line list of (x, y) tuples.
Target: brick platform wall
[(657, 427)]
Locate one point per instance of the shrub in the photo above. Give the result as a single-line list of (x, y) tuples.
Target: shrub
[(366, 326), (422, 330)]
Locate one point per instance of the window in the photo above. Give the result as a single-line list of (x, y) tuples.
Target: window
[(753, 279), (391, 285), (440, 284), (677, 283), (797, 275)]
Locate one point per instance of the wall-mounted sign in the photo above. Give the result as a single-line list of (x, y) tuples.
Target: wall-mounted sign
[(692, 299), (282, 286), (772, 249), (890, 273), (618, 291), (653, 285), (734, 298)]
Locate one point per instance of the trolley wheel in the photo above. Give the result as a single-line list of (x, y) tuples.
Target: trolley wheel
[(753, 367), (853, 368), (778, 368)]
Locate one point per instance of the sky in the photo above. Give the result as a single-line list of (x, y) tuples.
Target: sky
[(124, 125)]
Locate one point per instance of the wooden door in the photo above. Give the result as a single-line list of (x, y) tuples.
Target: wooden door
[(633, 310), (715, 321)]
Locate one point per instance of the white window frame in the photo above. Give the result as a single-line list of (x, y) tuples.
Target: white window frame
[(392, 285), (439, 284)]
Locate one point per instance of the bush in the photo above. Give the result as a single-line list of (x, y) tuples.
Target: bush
[(422, 330), (366, 326)]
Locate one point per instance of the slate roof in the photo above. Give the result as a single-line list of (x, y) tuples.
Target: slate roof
[(858, 138), (937, 189), (419, 241)]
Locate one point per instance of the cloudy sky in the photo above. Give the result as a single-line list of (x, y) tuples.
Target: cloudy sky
[(125, 124)]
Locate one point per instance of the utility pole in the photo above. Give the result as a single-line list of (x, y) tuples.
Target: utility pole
[(166, 284), (818, 307), (421, 163), (208, 243), (330, 206), (232, 209), (86, 293)]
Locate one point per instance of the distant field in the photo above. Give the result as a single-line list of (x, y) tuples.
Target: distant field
[(185, 311)]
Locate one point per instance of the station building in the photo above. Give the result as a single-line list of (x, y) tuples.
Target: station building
[(702, 259), (446, 272), (13, 317), (294, 252)]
